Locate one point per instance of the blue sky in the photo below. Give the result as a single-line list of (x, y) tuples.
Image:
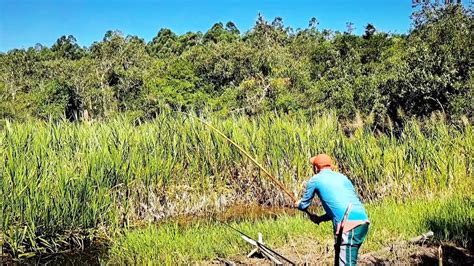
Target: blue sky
[(23, 23)]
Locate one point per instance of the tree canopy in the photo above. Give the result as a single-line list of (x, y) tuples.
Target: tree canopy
[(269, 68)]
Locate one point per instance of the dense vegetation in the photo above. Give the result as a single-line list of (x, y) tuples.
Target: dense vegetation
[(132, 158), (268, 68), (61, 178)]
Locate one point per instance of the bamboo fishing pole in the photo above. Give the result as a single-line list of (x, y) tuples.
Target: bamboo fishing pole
[(267, 173)]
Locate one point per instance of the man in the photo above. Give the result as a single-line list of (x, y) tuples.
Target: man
[(336, 193)]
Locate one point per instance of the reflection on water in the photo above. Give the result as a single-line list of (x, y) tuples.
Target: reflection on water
[(235, 213)]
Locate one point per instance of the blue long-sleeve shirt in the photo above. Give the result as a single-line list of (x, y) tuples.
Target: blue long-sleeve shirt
[(335, 191)]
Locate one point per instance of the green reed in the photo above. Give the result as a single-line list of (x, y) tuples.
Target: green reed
[(59, 179)]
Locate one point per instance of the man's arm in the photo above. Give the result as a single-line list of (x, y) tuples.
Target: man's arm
[(305, 201), (308, 196), (318, 219)]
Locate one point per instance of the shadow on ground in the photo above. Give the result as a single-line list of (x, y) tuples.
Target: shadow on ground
[(454, 222)]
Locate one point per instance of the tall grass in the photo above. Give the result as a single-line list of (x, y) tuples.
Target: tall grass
[(58, 179)]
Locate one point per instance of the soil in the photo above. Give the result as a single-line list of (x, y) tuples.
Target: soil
[(314, 253), (431, 254)]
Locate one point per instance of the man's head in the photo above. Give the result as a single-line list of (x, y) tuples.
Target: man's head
[(320, 162)]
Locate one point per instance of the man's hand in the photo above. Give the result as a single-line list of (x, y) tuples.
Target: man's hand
[(297, 203), (314, 218)]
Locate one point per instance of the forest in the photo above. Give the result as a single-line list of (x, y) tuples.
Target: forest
[(381, 77)]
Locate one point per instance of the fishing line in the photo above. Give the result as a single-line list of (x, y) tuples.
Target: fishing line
[(267, 173)]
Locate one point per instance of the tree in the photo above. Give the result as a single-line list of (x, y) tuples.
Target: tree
[(265, 35), (439, 62), (66, 47), (188, 40), (121, 62), (52, 101), (173, 84), (313, 23), (232, 28), (349, 28), (271, 67), (163, 44), (369, 31), (415, 3), (277, 23), (218, 33)]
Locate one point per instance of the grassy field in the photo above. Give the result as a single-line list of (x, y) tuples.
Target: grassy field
[(66, 182), (450, 217)]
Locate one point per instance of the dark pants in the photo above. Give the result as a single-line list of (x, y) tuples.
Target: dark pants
[(348, 244)]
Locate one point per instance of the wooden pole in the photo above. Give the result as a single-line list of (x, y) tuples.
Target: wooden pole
[(267, 173)]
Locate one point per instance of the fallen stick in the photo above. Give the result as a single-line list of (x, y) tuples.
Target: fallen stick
[(270, 253), (421, 238), (226, 262), (261, 248)]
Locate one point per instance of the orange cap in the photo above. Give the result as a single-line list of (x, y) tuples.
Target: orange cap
[(321, 160)]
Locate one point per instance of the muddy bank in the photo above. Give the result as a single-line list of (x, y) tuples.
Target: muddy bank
[(429, 254), (313, 253)]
